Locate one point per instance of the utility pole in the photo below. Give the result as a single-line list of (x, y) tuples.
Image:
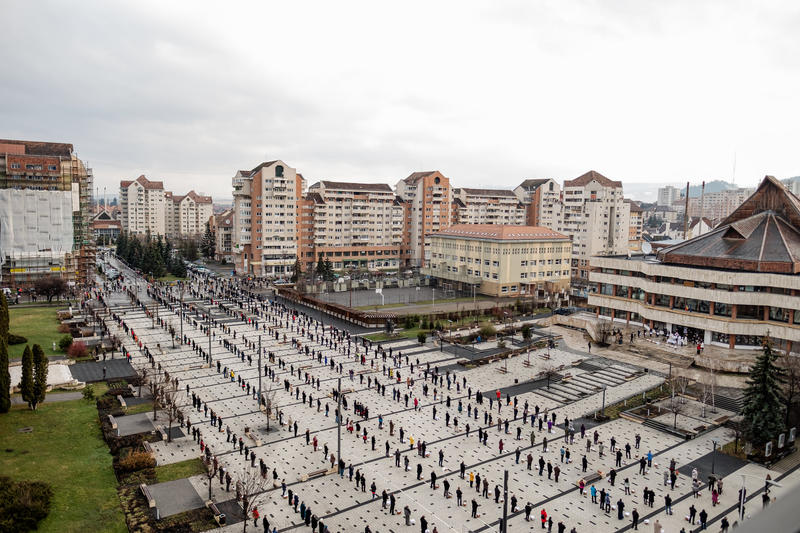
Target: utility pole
[(505, 501), (259, 373), (339, 424), (209, 335)]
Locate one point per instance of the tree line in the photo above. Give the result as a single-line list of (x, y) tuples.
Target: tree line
[(153, 256)]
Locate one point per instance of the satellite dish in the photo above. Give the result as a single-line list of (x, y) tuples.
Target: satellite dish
[(647, 247)]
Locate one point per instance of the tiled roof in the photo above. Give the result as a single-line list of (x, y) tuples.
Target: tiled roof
[(146, 183), (500, 232), (415, 177), (350, 186), (764, 242), (42, 148), (532, 185), (489, 192), (315, 197), (635, 208), (198, 198), (590, 176), (263, 165)]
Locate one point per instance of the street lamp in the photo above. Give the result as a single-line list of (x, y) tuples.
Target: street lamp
[(713, 454)]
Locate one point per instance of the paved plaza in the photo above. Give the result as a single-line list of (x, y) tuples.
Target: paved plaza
[(388, 379)]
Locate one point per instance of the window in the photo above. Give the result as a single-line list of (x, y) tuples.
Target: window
[(14, 165), (279, 171)]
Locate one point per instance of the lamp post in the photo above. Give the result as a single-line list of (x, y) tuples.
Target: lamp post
[(339, 424), (713, 454), (259, 372)]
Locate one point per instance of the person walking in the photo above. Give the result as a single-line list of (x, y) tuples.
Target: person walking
[(635, 519)]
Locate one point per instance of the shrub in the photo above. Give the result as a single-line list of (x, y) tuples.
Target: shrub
[(88, 392), (501, 344), (77, 349), (421, 338), (65, 342), (63, 328), (487, 330), (23, 504), (16, 339), (135, 460)]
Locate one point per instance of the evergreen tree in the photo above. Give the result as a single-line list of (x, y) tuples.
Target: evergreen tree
[(762, 413), (298, 270), (40, 375), (209, 244), (122, 244), (328, 270), (320, 266), (26, 384), (5, 376)]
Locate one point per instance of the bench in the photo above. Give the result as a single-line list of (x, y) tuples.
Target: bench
[(147, 447), (314, 473), (566, 376), (502, 369), (122, 403), (113, 422), (306, 367), (163, 432), (250, 435), (132, 389), (151, 502), (588, 480)]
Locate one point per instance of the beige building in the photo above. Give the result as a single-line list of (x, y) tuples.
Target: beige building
[(355, 225), (146, 207), (497, 260), (731, 286), (143, 206), (487, 206), (716, 205), (187, 215), (635, 226), (542, 200), (428, 199), (596, 217), (265, 212), (222, 226)]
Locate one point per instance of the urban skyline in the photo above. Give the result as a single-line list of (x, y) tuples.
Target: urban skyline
[(642, 92)]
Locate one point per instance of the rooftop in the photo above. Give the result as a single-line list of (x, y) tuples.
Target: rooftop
[(585, 179), (36, 148), (488, 192), (144, 182), (350, 186), (498, 232)]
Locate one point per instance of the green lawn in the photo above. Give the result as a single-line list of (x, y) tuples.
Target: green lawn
[(183, 469), (422, 302), (65, 449), (170, 277), (37, 324)]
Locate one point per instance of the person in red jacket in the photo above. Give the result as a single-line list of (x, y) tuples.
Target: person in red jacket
[(544, 518), (255, 516)]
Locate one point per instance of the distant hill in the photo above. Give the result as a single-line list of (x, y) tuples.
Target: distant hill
[(711, 186)]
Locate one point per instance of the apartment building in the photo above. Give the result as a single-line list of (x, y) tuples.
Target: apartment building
[(186, 215), (668, 195), (596, 218), (354, 225), (428, 199), (500, 260), (45, 199), (222, 226), (487, 206), (146, 207), (732, 286), (636, 226), (143, 206), (717, 205), (265, 219), (542, 200)]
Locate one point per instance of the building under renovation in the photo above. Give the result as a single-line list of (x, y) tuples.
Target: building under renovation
[(45, 198)]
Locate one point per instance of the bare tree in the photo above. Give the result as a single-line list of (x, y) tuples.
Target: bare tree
[(171, 396), (250, 488), (605, 329), (705, 383), (791, 386), (212, 469), (682, 382), (155, 384), (141, 374), (676, 406), (736, 430), (269, 403), (549, 372)]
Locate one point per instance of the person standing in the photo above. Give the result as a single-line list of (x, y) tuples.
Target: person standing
[(635, 519)]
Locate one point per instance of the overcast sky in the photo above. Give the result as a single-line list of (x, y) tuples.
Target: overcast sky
[(489, 93)]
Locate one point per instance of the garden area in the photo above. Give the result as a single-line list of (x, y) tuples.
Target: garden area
[(38, 325), (65, 449)]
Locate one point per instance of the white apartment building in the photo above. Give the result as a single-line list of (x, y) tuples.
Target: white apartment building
[(143, 206), (222, 225), (265, 202), (718, 205), (668, 195), (428, 199), (187, 215), (487, 206), (355, 225), (596, 217), (542, 198)]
